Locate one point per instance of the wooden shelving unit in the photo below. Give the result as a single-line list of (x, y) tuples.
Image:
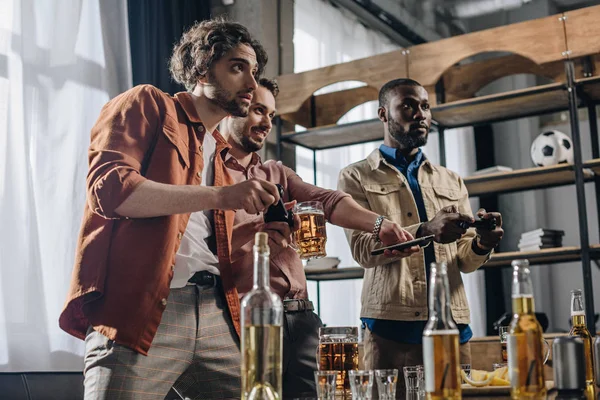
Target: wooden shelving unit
[(523, 179), (504, 106), (561, 48)]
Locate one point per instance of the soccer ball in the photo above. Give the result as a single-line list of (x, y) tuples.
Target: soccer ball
[(551, 148)]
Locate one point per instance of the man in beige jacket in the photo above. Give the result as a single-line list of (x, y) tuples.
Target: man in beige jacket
[(399, 183)]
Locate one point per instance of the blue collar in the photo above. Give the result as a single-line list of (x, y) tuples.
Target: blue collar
[(395, 157)]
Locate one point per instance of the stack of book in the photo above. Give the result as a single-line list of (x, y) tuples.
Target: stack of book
[(540, 239)]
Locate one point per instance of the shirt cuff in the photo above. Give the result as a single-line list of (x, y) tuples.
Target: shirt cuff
[(477, 250)]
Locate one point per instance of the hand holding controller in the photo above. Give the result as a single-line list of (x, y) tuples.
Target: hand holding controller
[(278, 213), (482, 224)]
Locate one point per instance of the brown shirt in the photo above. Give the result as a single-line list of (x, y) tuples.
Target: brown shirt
[(286, 270), (123, 266)]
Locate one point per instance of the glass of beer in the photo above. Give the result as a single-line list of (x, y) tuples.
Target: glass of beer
[(503, 333), (338, 351), (311, 237)]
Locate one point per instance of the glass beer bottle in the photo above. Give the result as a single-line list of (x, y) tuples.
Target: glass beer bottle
[(525, 354), (580, 330), (262, 318), (440, 341)]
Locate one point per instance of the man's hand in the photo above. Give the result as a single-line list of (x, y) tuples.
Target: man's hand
[(445, 225), (392, 233), (253, 196), (280, 233), (487, 240)]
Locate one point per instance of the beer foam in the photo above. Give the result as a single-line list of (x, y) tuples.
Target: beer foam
[(430, 332), (524, 296), (575, 313), (319, 212)]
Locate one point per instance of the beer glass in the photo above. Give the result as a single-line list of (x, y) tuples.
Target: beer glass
[(338, 351), (414, 380), (503, 333), (311, 237)]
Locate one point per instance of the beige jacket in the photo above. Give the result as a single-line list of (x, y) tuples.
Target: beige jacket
[(393, 288)]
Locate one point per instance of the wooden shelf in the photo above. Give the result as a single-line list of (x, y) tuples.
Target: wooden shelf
[(335, 274), (332, 136), (524, 179), (498, 260), (544, 256), (594, 165), (503, 106), (589, 88)]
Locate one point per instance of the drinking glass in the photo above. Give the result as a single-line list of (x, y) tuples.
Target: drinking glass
[(386, 383), (326, 384), (361, 384)]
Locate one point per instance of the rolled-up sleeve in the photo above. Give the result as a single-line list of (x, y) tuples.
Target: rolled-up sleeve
[(302, 191), (120, 139)]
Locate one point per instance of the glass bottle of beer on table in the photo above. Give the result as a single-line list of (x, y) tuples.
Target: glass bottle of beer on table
[(262, 318), (580, 330), (525, 347), (440, 341)]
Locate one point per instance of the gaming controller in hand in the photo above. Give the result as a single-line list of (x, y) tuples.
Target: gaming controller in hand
[(277, 212), (482, 224)]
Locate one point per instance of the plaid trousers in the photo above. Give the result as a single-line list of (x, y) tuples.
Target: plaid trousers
[(196, 351)]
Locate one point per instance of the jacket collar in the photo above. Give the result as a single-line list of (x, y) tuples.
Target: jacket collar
[(375, 159)]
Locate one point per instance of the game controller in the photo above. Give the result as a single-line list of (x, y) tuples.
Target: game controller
[(277, 212), (482, 224)]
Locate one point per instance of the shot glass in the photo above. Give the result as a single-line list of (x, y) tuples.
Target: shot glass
[(361, 384), (387, 380), (414, 379), (326, 384)]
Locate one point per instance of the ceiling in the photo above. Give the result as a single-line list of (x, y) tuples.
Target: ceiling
[(409, 22)]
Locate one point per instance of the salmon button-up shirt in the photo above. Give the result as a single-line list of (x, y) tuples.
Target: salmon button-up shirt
[(286, 271)]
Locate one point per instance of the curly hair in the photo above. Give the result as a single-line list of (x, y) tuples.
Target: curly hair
[(204, 44), (271, 85)]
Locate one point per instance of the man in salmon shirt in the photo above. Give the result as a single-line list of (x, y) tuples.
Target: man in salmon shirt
[(152, 291), (247, 135)]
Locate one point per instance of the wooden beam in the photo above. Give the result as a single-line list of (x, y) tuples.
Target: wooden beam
[(464, 81), (541, 40), (375, 71), (330, 107), (583, 31)]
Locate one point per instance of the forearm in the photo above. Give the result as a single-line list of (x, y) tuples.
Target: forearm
[(153, 199), (350, 215)]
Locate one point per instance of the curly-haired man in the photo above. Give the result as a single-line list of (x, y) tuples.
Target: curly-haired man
[(152, 291)]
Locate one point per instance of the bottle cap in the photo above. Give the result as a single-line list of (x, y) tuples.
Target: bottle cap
[(261, 239)]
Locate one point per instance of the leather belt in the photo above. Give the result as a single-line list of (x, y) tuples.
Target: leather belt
[(297, 305), (204, 278)]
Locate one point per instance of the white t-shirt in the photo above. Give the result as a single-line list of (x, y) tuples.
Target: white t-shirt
[(194, 253)]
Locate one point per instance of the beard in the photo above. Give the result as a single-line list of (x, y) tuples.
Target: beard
[(249, 145), (407, 140), (228, 102)]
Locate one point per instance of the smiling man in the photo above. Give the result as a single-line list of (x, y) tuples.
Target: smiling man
[(152, 291), (398, 180), (247, 135)]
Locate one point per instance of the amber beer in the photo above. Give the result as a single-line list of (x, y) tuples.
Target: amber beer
[(441, 357), (338, 351), (311, 237), (525, 352), (580, 330), (441, 349)]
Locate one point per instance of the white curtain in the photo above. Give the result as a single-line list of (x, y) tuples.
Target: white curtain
[(326, 35), (60, 62)]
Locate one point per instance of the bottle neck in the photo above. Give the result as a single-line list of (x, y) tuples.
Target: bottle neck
[(261, 267), (439, 300)]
